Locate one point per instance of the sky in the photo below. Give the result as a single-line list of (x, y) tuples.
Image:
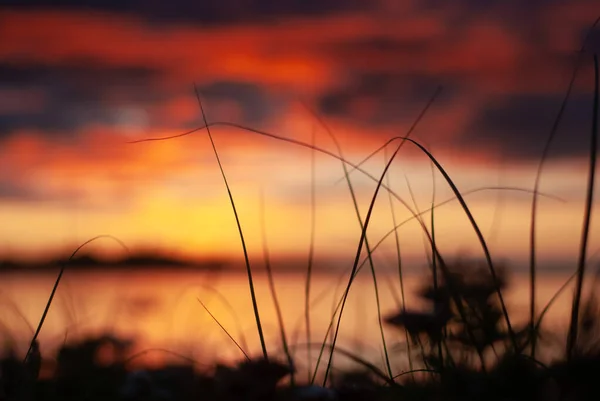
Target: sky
[(81, 80)]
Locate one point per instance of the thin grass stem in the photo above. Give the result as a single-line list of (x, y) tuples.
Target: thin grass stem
[(239, 227), (224, 329), (574, 326), (272, 289), (536, 185)]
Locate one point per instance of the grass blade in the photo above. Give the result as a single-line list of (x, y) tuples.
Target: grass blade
[(573, 327), (399, 257), (538, 177), (311, 254), (271, 281), (239, 227), (480, 237), (224, 329), (32, 345), (371, 264), (356, 260)]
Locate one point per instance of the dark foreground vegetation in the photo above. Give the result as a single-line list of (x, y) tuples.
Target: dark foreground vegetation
[(458, 349)]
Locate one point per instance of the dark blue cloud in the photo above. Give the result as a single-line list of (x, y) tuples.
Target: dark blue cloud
[(200, 11), (396, 97), (75, 95), (256, 103), (518, 126), (84, 93), (82, 73)]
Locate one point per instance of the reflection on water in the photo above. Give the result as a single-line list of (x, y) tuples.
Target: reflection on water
[(161, 309)]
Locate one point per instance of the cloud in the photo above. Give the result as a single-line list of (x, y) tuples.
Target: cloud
[(66, 99), (255, 104), (384, 98), (204, 12), (518, 126), (70, 96)]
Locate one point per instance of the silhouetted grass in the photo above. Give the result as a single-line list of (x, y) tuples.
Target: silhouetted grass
[(538, 176), (239, 227), (311, 254), (398, 258), (224, 301), (272, 289), (363, 226), (224, 329), (574, 326)]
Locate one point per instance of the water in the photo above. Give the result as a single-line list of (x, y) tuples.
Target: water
[(160, 309)]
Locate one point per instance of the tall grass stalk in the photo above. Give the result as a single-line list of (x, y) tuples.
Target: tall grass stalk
[(355, 264), (430, 260), (536, 185), (311, 253), (271, 281), (434, 258), (239, 227), (399, 259), (368, 248), (574, 326)]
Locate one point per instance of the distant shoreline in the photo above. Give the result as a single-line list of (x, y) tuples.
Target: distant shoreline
[(89, 263)]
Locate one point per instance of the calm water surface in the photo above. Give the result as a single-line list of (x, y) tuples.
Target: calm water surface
[(160, 309)]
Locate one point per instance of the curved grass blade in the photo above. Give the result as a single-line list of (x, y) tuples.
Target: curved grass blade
[(371, 264), (433, 257), (362, 225), (480, 237), (356, 260), (553, 299), (33, 343)]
